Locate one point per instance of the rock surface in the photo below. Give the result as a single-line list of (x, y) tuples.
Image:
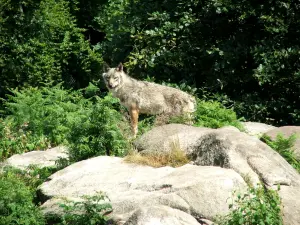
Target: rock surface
[(256, 129), (290, 197), (228, 148), (160, 215), (198, 191), (45, 158), (190, 194), (223, 147), (287, 131)]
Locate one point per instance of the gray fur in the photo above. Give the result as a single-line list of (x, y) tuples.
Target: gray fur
[(149, 98)]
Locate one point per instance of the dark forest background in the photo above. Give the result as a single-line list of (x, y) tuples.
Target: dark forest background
[(243, 53)]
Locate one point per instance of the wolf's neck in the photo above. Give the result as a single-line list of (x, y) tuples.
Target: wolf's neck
[(126, 82), (127, 79)]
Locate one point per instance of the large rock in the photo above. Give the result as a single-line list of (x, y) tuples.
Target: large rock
[(290, 197), (45, 158), (287, 131), (228, 148), (160, 215), (256, 129), (163, 138), (224, 147), (198, 191)]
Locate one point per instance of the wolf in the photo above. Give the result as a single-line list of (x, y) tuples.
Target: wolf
[(142, 97)]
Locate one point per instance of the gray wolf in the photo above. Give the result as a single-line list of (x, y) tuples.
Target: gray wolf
[(142, 97)]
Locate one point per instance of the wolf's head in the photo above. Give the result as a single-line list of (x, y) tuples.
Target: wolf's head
[(113, 77)]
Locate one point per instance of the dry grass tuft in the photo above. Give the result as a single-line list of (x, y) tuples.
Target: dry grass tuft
[(176, 157)]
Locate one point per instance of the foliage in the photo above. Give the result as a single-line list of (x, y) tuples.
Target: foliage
[(39, 42), (240, 49), (38, 118), (47, 116), (284, 146), (16, 202), (90, 211), (145, 124), (99, 130), (214, 115), (257, 206), (247, 51), (15, 142)]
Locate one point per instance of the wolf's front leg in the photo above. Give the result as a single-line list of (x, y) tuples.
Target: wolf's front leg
[(134, 117)]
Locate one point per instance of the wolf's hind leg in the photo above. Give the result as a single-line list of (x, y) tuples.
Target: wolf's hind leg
[(134, 117)]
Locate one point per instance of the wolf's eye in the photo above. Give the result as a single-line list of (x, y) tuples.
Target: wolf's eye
[(116, 78)]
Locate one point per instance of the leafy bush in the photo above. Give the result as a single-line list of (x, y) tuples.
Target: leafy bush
[(257, 206), (98, 130), (284, 146), (40, 42), (146, 123), (214, 115), (13, 141), (88, 212), (16, 202), (38, 118), (48, 116)]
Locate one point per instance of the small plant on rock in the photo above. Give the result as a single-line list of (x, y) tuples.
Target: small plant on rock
[(258, 206), (284, 146), (214, 115), (90, 211)]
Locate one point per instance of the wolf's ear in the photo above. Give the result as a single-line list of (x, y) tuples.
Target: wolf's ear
[(105, 67), (120, 67)]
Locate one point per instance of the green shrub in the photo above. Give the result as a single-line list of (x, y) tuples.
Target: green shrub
[(16, 202), (88, 212), (284, 146), (42, 117), (45, 111), (145, 124), (257, 206), (210, 114), (38, 118), (19, 141), (214, 115), (98, 131)]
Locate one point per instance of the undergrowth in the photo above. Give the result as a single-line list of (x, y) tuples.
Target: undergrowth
[(19, 203), (39, 118), (257, 206), (284, 146), (90, 211), (17, 200), (214, 115)]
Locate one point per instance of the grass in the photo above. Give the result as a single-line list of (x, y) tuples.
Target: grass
[(175, 157)]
